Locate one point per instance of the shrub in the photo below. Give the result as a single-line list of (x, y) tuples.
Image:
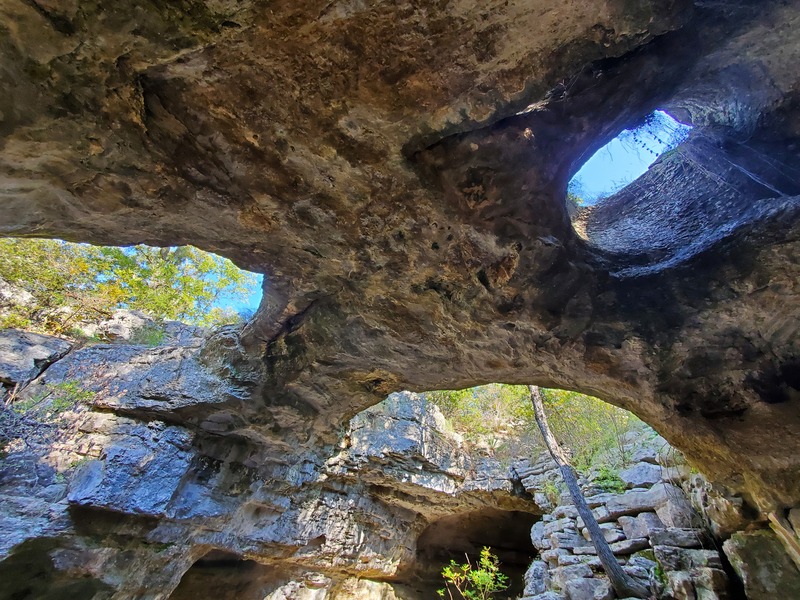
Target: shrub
[(53, 400), (148, 335), (608, 480), (479, 582), (71, 283), (552, 492)]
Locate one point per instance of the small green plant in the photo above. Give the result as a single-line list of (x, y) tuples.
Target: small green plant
[(79, 462), (608, 480), (148, 335), (78, 334), (552, 492), (54, 399), (479, 582), (15, 320)]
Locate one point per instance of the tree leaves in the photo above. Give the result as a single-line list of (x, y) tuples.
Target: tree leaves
[(500, 416), (79, 282)]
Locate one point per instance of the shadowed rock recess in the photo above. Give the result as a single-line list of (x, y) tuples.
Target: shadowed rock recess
[(398, 172)]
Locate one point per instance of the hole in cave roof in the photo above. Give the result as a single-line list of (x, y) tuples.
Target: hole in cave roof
[(625, 158)]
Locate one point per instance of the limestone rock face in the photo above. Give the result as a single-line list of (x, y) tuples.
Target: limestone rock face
[(641, 475), (23, 355), (669, 561), (762, 564), (398, 171), (138, 455)]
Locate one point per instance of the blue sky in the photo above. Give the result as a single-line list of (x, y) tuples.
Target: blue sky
[(248, 303), (626, 157)]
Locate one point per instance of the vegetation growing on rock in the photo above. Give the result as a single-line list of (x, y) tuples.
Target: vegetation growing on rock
[(474, 582), (500, 417), (74, 283)]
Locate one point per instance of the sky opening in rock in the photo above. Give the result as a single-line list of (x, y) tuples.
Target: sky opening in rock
[(628, 156), (249, 302)]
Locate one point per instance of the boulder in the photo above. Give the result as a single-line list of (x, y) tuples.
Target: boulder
[(621, 548), (565, 524), (538, 538), (638, 501), (565, 510), (14, 296), (601, 515), (642, 525), (553, 556), (599, 499), (565, 560), (683, 559), (677, 511), (139, 470), (683, 538), (123, 325), (762, 564), (589, 589), (563, 575), (641, 475), (649, 452), (680, 586), (24, 355), (566, 540), (710, 584), (537, 578), (611, 533)]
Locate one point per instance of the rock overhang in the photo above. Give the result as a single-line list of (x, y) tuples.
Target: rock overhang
[(398, 172)]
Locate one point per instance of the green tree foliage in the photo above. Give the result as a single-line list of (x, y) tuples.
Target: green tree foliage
[(77, 282), (478, 582), (500, 416)]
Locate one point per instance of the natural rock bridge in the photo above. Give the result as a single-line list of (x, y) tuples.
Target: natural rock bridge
[(398, 171)]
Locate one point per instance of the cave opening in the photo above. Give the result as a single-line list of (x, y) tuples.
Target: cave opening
[(460, 537), (626, 157), (225, 575), (31, 572), (65, 288)]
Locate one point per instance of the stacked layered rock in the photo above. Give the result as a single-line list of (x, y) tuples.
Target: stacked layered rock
[(148, 479), (144, 470), (652, 529)]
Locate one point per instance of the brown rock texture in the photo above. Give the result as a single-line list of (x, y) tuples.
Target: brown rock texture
[(398, 172)]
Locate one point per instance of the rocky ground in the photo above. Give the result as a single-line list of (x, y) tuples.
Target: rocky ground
[(119, 487)]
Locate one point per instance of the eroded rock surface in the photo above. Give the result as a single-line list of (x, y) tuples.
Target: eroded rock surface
[(23, 355), (127, 472), (398, 171)]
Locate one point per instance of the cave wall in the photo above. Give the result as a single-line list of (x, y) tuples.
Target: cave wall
[(122, 488), (398, 172)]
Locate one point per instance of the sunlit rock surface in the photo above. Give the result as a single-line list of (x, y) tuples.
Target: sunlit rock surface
[(127, 471), (398, 171)]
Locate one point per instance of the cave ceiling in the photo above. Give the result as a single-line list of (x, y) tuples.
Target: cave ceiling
[(398, 172)]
